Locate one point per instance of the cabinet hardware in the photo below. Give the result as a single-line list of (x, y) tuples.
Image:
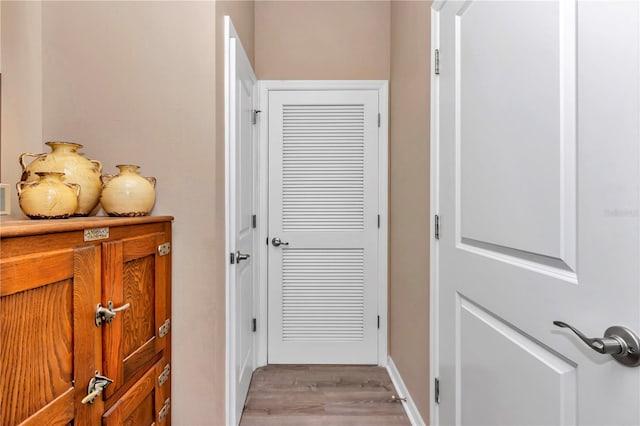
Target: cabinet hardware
[(96, 385), (164, 249), (436, 390), (164, 328), (109, 313), (164, 410), (164, 376), (96, 234)]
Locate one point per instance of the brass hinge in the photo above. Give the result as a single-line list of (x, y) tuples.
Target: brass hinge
[(164, 411), (164, 328), (164, 249), (164, 376)]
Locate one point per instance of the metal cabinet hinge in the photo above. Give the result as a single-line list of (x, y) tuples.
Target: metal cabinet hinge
[(254, 325), (164, 328), (164, 376), (378, 322), (436, 62), (254, 116), (379, 119), (378, 221), (436, 391), (436, 231), (164, 411), (164, 249), (254, 221), (232, 258)]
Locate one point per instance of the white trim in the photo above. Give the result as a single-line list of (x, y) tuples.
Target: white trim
[(434, 347), (382, 86), (228, 240), (402, 392)]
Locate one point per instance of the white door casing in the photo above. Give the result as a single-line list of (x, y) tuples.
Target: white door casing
[(536, 166), (323, 202), (241, 176)]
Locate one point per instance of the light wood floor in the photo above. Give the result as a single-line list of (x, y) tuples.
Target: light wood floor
[(304, 395)]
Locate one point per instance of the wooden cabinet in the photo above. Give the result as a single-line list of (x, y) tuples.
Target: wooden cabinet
[(55, 274)]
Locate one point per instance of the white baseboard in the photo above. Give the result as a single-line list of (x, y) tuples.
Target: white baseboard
[(409, 406)]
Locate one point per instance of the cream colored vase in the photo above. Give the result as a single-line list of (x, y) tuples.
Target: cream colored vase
[(77, 169), (49, 197), (128, 193)]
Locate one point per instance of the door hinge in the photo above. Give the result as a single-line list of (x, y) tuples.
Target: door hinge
[(436, 231), (378, 221), (164, 328), (254, 325), (267, 240), (232, 258), (254, 221), (436, 391), (436, 62), (164, 410), (164, 376), (378, 322), (379, 119), (164, 249), (254, 116)]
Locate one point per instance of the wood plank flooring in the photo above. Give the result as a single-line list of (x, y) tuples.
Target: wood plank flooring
[(306, 395)]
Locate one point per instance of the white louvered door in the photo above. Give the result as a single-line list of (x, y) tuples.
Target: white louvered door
[(323, 198)]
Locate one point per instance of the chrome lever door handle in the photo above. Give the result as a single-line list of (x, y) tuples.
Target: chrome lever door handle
[(277, 242), (241, 256), (619, 342)]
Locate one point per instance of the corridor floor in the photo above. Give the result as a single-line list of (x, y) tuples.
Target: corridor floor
[(305, 395)]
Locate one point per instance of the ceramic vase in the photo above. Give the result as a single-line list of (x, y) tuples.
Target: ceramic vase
[(48, 197), (128, 193), (64, 158)]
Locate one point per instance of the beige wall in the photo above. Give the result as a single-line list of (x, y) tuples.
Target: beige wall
[(21, 58), (322, 40), (409, 196), (134, 83)]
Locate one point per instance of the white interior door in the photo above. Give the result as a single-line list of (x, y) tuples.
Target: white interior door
[(242, 184), (323, 198), (537, 121)]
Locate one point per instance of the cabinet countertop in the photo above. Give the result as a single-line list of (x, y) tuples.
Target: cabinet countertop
[(13, 227)]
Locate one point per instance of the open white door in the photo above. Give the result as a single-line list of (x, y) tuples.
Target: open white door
[(323, 226), (242, 243), (537, 136)]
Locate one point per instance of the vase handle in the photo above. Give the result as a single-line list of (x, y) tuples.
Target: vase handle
[(106, 178), (97, 165), (152, 180), (75, 187), (27, 154), (20, 186)]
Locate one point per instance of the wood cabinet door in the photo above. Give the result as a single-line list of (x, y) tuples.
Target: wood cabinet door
[(145, 403), (134, 272), (48, 337)]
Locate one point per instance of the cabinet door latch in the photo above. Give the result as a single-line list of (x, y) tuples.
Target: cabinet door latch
[(109, 313)]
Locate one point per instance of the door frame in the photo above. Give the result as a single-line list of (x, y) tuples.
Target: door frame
[(434, 257), (263, 89), (230, 226)]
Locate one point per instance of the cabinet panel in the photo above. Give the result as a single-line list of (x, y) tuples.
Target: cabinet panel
[(134, 273), (142, 404), (42, 353)]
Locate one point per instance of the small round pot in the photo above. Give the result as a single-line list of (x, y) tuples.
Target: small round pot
[(49, 197), (128, 193)]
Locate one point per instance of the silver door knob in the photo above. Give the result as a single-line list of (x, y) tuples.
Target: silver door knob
[(277, 242), (240, 257), (619, 342)]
